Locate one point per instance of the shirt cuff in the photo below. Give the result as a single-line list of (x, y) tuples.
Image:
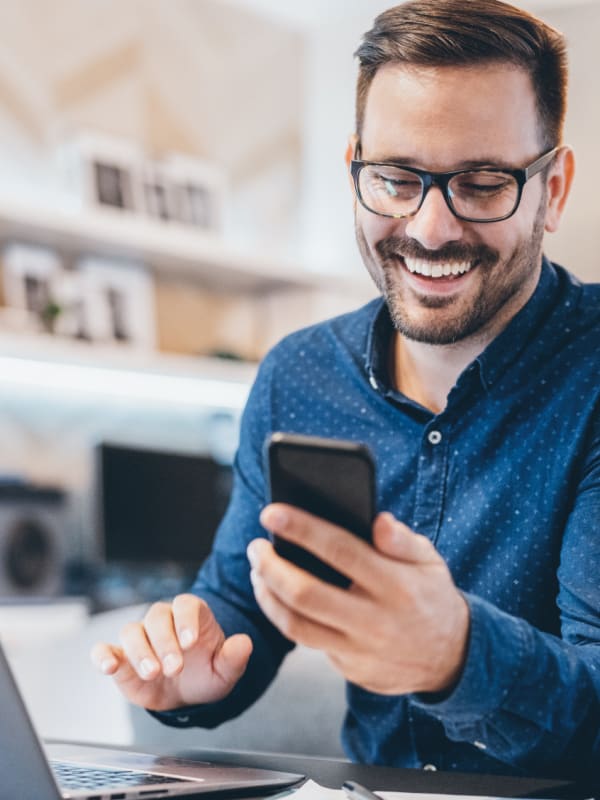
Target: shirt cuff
[(498, 652), (206, 715)]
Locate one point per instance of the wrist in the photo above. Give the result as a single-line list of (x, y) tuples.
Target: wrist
[(454, 653)]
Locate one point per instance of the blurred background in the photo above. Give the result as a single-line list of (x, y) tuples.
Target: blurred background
[(174, 200)]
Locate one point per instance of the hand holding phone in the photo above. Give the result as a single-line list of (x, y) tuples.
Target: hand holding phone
[(331, 478)]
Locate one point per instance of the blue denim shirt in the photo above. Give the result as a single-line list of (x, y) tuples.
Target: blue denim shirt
[(509, 493)]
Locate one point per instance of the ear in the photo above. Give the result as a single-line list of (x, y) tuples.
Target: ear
[(560, 179), (350, 151)]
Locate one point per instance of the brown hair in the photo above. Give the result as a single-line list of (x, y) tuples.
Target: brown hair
[(454, 33)]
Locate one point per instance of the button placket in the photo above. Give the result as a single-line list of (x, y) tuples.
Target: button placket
[(430, 482)]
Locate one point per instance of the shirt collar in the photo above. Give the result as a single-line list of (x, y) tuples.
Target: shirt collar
[(381, 331), (498, 355), (510, 344)]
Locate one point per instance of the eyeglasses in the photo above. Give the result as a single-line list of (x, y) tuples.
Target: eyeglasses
[(486, 194)]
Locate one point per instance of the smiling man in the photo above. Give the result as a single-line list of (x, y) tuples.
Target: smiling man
[(470, 634)]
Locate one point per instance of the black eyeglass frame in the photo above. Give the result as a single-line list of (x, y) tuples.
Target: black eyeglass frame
[(441, 179)]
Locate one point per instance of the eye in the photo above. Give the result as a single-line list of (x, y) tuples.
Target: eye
[(395, 183), (482, 183)]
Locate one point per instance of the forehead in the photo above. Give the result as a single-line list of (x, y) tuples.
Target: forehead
[(442, 116)]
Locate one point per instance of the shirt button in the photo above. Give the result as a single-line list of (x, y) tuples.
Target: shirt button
[(373, 382), (480, 745), (434, 437), (183, 718), (430, 767)]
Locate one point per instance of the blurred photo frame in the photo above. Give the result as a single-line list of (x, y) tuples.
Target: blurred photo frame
[(104, 171), (197, 192), (158, 193), (29, 277), (119, 301), (111, 173)]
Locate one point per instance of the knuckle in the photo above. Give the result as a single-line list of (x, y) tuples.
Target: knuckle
[(287, 624), (424, 543), (339, 555), (130, 632), (185, 602), (299, 592), (157, 613)]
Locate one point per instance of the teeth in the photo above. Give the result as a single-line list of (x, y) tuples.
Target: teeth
[(436, 270)]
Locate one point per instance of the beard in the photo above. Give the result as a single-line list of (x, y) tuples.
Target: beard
[(501, 281)]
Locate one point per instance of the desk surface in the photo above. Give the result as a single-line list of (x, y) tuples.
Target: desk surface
[(332, 773)]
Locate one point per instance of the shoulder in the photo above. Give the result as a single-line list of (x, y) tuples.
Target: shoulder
[(571, 334), (579, 297), (575, 317), (312, 354)]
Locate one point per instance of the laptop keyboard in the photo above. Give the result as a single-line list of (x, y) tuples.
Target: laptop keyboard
[(74, 776)]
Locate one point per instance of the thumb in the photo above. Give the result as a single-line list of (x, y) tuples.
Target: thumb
[(396, 540), (232, 659)]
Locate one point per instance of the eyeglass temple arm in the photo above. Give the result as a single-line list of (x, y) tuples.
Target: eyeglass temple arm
[(540, 163)]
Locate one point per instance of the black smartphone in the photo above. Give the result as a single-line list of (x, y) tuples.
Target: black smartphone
[(331, 478)]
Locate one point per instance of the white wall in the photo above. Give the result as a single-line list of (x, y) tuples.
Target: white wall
[(577, 244)]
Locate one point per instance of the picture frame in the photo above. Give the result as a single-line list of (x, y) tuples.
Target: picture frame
[(158, 193), (29, 277), (114, 174), (104, 172), (119, 302), (197, 192)]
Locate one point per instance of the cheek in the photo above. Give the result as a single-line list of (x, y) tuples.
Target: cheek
[(531, 213), (374, 229)]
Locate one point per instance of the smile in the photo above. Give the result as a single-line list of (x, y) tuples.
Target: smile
[(439, 269)]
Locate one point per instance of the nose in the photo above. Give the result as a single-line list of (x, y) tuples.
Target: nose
[(434, 224)]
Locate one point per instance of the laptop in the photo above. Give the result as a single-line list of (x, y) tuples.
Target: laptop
[(32, 771)]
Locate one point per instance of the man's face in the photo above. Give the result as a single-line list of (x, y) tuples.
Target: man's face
[(444, 119)]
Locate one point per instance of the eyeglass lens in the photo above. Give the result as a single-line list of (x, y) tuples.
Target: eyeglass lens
[(479, 195)]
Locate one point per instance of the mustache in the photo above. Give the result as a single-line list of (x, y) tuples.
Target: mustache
[(394, 246)]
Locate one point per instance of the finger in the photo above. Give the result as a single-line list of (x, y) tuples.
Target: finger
[(396, 540), (297, 589), (111, 660), (106, 657), (292, 624), (339, 548), (138, 651), (232, 659), (190, 616), (160, 631)]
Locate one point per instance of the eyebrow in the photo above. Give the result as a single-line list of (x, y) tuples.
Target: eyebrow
[(496, 163)]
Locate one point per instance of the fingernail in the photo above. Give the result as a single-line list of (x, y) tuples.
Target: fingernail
[(171, 662), (108, 665), (147, 667), (251, 553), (186, 637)]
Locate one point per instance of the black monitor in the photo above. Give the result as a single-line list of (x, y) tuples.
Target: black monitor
[(158, 507)]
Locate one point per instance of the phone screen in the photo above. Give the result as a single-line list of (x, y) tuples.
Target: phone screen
[(331, 478)]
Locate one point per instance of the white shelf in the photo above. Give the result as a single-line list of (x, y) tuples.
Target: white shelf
[(166, 247), (61, 349), (48, 365)]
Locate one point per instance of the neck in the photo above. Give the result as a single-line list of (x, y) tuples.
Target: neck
[(426, 373)]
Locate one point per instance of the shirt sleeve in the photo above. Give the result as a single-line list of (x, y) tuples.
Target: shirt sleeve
[(527, 698), (224, 579)]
